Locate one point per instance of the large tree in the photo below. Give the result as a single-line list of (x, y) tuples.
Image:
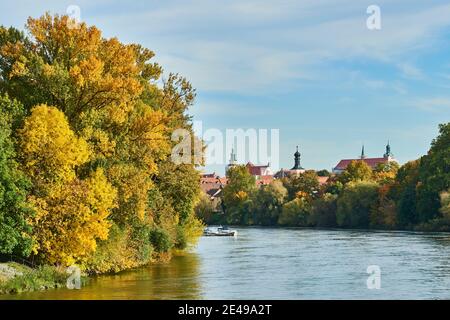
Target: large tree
[(108, 92), (434, 175), (15, 231)]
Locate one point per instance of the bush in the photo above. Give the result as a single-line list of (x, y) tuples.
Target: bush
[(44, 277), (160, 240), (355, 203), (323, 213), (295, 213)]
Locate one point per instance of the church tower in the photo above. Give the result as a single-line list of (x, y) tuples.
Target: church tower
[(232, 161), (363, 156), (297, 165), (388, 155)]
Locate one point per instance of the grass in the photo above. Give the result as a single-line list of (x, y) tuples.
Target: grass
[(41, 278)]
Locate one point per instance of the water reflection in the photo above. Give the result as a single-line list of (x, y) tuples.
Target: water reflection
[(178, 279)]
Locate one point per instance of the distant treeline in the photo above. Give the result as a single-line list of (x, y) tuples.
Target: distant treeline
[(415, 196)]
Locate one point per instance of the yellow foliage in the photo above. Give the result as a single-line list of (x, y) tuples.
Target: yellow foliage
[(50, 149), (241, 195), (68, 222)]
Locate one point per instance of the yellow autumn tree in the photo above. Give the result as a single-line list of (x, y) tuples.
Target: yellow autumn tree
[(68, 223), (70, 213), (115, 114), (49, 148)]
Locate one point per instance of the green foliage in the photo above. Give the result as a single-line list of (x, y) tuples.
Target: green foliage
[(15, 231), (357, 170), (355, 203), (323, 211), (41, 278), (445, 203), (434, 175), (205, 208), (295, 213), (160, 240), (323, 173), (267, 203), (306, 183), (237, 195)]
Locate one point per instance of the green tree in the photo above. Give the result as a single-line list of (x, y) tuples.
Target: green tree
[(385, 173), (355, 203), (295, 213), (237, 194), (323, 211), (268, 202), (323, 173), (357, 170), (445, 204), (434, 175), (404, 192), (15, 231), (205, 208), (306, 183)]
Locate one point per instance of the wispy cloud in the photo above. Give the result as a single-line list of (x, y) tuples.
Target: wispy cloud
[(434, 104)]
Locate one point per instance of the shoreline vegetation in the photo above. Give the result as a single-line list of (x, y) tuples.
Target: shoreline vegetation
[(86, 175), (411, 197)]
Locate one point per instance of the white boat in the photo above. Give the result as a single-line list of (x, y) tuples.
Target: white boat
[(220, 232)]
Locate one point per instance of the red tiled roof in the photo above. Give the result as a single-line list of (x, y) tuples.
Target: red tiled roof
[(372, 162), (256, 170)]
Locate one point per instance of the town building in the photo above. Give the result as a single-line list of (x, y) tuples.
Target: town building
[(295, 170), (372, 162)]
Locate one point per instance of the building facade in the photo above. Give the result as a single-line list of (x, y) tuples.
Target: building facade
[(371, 162)]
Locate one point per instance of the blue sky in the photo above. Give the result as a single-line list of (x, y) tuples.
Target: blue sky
[(309, 68)]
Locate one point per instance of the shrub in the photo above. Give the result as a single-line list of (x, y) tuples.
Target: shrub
[(355, 203), (160, 240)]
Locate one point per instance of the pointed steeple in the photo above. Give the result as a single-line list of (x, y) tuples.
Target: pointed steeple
[(232, 157), (388, 151), (363, 156)]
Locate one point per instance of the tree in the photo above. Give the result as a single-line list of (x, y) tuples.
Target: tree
[(110, 114), (295, 213), (15, 231), (323, 173), (205, 208), (49, 149), (384, 213), (237, 194), (357, 170), (434, 175), (323, 211), (70, 220), (70, 213), (445, 204), (385, 173), (267, 203), (404, 192), (354, 204), (306, 182)]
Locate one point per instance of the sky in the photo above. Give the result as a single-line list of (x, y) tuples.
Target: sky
[(310, 68)]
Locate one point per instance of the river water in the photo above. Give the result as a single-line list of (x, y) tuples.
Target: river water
[(282, 263)]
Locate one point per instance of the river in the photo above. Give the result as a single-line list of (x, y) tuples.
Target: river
[(282, 263)]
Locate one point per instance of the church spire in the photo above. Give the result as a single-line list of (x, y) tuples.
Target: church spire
[(232, 157), (363, 156), (388, 151)]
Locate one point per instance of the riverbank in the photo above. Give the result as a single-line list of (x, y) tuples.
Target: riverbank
[(17, 278)]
